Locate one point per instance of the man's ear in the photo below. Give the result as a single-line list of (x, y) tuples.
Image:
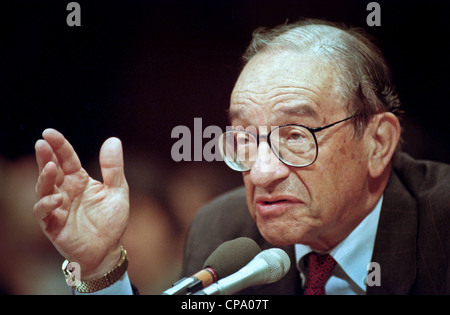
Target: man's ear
[(384, 135)]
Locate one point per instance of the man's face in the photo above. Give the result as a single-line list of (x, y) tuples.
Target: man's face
[(317, 205)]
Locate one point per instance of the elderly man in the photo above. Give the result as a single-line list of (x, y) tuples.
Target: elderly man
[(315, 135)]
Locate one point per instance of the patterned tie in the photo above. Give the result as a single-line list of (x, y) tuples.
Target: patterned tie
[(320, 268)]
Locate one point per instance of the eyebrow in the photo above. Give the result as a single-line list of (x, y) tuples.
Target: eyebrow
[(302, 110)]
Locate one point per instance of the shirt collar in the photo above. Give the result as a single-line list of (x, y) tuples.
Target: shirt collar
[(354, 253)]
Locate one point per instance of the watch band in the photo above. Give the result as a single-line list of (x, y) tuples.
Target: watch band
[(101, 282)]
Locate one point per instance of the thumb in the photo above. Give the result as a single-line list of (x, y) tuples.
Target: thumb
[(111, 163)]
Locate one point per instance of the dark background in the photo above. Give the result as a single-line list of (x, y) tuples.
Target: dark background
[(136, 69)]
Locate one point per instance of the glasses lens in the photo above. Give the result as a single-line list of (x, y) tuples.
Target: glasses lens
[(238, 149), (294, 145)]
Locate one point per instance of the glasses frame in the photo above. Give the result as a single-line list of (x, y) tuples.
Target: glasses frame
[(311, 130)]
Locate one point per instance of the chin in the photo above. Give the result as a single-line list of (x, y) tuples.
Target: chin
[(277, 236)]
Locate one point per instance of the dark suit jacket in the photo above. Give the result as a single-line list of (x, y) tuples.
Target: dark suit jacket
[(412, 243)]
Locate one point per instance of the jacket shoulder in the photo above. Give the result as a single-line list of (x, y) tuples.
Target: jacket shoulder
[(422, 178), (429, 184)]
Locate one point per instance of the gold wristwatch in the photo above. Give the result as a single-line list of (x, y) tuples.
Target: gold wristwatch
[(98, 283)]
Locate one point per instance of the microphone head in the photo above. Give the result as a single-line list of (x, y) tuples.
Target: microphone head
[(278, 262), (231, 256)]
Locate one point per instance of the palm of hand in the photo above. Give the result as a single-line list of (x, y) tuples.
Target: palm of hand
[(88, 214), (84, 218)]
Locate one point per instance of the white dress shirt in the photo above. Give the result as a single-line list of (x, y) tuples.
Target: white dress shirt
[(352, 255)]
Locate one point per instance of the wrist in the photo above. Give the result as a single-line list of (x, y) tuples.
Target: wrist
[(108, 263), (96, 282)]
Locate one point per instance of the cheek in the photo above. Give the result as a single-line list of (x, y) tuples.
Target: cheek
[(334, 175), (350, 162), (249, 193)]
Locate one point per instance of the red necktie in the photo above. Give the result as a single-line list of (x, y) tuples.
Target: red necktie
[(320, 268)]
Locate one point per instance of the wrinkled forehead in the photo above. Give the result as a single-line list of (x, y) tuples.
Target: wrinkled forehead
[(278, 88), (277, 106)]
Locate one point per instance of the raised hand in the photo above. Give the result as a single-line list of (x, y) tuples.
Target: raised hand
[(83, 218)]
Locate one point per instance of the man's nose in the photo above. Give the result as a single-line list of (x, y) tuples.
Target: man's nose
[(267, 167)]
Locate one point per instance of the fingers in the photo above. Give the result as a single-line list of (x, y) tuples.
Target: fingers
[(47, 214), (49, 200), (62, 149), (46, 180), (50, 216), (44, 154), (111, 163), (46, 205), (56, 148)]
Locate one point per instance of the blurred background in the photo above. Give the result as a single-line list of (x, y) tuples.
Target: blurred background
[(137, 69)]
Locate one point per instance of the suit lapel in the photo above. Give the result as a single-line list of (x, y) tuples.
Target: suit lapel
[(395, 243)]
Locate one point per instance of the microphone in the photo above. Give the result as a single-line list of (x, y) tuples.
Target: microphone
[(228, 258), (268, 266)]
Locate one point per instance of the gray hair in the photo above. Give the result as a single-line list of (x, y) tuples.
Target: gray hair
[(365, 79)]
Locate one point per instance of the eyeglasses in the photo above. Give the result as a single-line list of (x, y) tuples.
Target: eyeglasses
[(295, 145)]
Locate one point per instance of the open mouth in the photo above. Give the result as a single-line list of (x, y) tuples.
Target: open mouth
[(273, 202), (273, 207), (267, 205)]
